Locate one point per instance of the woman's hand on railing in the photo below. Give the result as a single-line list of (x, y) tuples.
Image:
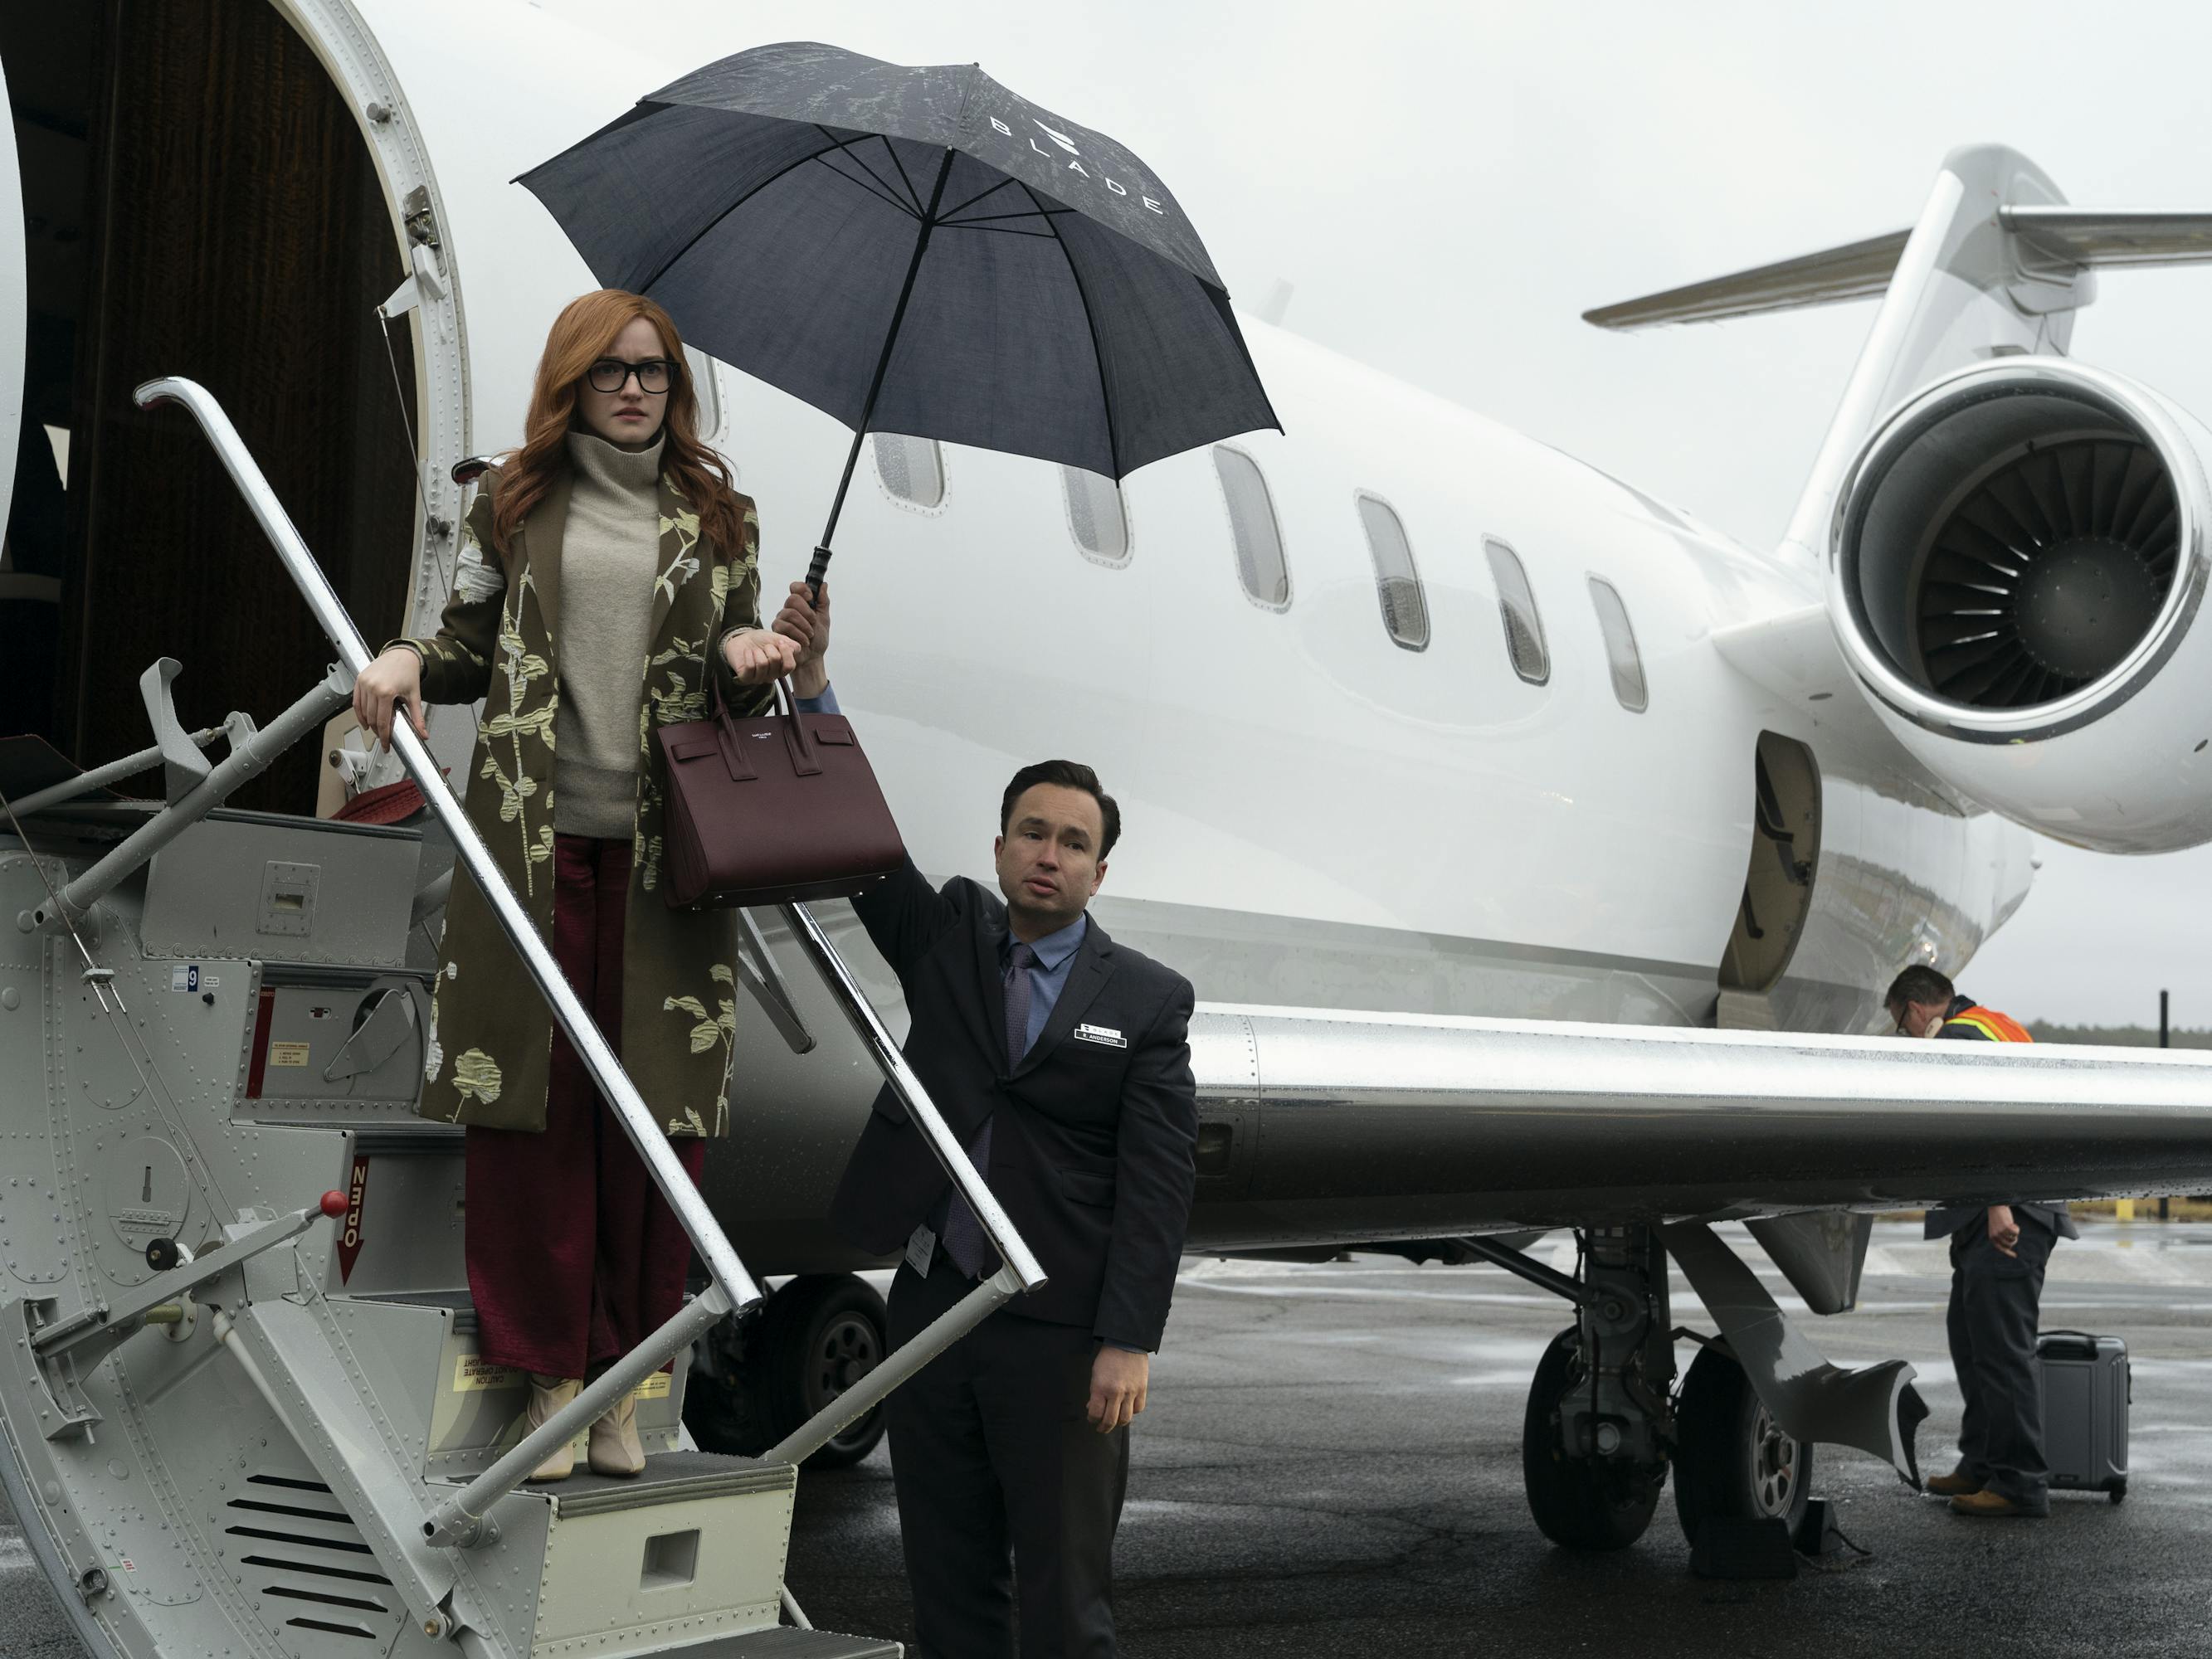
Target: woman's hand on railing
[(393, 680), (757, 656)]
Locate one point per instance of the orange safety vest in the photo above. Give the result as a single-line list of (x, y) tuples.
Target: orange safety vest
[(1997, 1027)]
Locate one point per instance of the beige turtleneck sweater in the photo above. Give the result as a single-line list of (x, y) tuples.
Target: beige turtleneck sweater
[(610, 554)]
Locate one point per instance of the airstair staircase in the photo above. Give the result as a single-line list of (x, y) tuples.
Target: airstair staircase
[(238, 1423)]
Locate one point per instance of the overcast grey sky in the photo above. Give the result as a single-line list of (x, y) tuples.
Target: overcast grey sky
[(1448, 186)]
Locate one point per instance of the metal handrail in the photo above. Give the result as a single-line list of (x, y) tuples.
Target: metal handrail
[(899, 1363), (84, 783), (870, 1030), (637, 1120)]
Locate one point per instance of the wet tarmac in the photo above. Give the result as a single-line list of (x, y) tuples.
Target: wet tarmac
[(1332, 1465)]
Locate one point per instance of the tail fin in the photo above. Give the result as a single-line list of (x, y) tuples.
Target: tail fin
[(1997, 267)]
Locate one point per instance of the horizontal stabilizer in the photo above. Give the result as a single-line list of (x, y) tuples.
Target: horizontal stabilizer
[(2082, 236), (2049, 240), (1857, 270)]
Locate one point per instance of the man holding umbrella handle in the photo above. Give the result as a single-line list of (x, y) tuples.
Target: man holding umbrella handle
[(1061, 1059)]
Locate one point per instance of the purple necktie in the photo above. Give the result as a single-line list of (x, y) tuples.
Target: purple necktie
[(964, 1234)]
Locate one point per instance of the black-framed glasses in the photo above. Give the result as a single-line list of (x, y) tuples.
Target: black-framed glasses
[(611, 373)]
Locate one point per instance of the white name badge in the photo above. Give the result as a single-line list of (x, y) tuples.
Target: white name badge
[(1100, 1033), (921, 1249)]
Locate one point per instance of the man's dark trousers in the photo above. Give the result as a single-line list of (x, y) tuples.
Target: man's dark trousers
[(990, 1446), (1995, 1299)]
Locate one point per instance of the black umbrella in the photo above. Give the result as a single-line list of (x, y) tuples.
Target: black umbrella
[(914, 250)]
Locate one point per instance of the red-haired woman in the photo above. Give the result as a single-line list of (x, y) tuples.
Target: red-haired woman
[(607, 569)]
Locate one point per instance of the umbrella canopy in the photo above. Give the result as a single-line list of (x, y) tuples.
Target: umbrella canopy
[(916, 250)]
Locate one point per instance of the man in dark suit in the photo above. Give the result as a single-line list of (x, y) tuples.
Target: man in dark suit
[(1061, 1061), (1998, 1253)]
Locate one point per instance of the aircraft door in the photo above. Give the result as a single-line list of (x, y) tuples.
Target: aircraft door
[(230, 226), (1777, 886), (22, 589), (15, 309)]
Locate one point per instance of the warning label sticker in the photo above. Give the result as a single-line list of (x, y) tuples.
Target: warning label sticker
[(473, 1374), (288, 1054), (653, 1388)]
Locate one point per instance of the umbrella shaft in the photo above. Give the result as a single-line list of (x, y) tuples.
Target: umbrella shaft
[(882, 364)]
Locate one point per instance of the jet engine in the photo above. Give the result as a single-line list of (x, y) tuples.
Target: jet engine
[(2015, 574)]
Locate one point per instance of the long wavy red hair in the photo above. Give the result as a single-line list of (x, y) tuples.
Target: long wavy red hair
[(583, 333)]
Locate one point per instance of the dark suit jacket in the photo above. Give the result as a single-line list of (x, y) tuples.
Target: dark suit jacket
[(1092, 1146), (1944, 1222)]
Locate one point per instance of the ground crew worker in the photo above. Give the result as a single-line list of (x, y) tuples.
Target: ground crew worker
[(1998, 1253)]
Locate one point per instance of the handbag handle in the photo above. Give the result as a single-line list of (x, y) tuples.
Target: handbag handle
[(806, 762)]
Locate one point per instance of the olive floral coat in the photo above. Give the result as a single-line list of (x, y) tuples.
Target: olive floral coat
[(491, 1033)]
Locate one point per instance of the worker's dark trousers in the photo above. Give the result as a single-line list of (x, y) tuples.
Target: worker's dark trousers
[(1003, 1482), (1994, 1303)]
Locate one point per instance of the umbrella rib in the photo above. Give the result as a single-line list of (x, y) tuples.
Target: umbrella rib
[(669, 263), (912, 205), (1113, 438), (913, 194), (986, 218), (883, 196), (1003, 230), (954, 212)]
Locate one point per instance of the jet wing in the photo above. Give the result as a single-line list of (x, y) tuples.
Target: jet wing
[(1318, 1125)]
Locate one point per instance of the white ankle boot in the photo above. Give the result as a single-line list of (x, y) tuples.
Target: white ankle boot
[(547, 1395), (615, 1448)]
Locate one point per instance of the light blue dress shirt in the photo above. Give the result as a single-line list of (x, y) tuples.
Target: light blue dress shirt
[(1056, 953)]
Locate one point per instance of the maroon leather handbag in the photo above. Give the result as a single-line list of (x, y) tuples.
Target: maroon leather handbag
[(765, 809)]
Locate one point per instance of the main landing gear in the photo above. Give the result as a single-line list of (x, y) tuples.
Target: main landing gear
[(1598, 1433), (760, 1378), (1733, 1462), (1606, 1423)]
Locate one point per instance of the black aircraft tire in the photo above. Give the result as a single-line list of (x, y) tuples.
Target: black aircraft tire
[(1577, 1503), (817, 1336), (1731, 1461)]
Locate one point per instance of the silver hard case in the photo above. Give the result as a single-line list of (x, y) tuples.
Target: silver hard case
[(2086, 1390)]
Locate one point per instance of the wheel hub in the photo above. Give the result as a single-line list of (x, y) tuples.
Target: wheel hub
[(1773, 1466), (848, 1352)]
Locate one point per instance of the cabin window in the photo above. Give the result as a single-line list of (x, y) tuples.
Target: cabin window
[(1094, 517), (1260, 564), (1620, 653), (1517, 606), (1397, 583), (912, 469)]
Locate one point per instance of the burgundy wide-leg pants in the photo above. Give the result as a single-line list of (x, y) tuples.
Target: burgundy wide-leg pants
[(574, 1256)]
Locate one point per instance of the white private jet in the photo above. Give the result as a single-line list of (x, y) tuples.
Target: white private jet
[(1529, 842)]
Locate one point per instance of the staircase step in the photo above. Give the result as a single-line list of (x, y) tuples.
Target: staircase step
[(693, 1548), (669, 1478), (785, 1643)]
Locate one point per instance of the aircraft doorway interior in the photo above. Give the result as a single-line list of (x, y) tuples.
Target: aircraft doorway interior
[(1778, 887), (199, 201)]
